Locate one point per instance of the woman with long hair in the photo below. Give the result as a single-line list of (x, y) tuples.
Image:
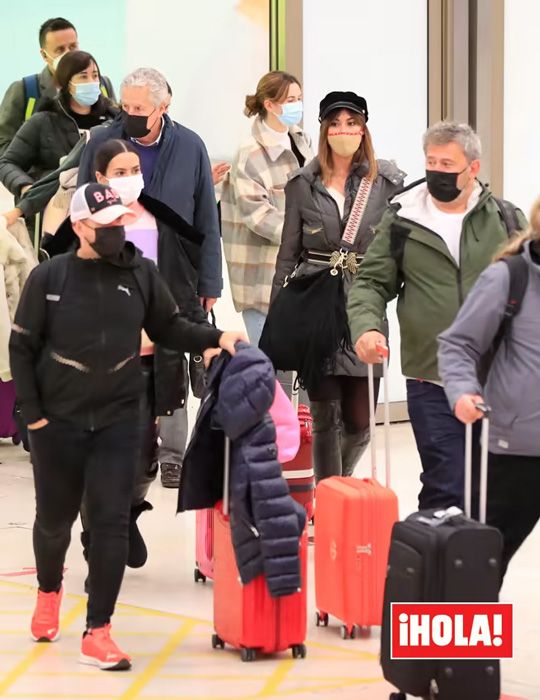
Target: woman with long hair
[(253, 195), (57, 126), (319, 200), (512, 387)]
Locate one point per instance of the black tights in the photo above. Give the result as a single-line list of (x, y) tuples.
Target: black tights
[(352, 393)]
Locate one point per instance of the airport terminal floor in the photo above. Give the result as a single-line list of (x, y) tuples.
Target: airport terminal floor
[(164, 619)]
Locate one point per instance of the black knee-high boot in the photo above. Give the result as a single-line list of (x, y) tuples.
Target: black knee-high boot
[(353, 446), (327, 427)]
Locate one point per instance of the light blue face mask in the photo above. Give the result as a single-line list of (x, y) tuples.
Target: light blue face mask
[(291, 113), (87, 94)]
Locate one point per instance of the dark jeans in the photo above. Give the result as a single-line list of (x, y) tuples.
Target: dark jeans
[(513, 499), (68, 461), (440, 439)]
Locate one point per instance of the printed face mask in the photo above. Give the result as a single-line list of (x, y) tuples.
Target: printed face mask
[(136, 125), (129, 187), (443, 186), (345, 144), (291, 114), (109, 241), (87, 94)]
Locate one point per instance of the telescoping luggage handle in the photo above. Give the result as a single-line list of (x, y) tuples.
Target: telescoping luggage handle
[(373, 443), (483, 464), (226, 475)]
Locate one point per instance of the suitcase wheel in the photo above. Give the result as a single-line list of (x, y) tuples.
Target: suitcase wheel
[(198, 575), (321, 619), (299, 651), (248, 654), (16, 439), (348, 632), (398, 696), (217, 642)]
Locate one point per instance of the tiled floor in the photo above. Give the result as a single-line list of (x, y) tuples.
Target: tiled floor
[(164, 618)]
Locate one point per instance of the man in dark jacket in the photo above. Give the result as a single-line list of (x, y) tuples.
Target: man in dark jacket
[(177, 172), (56, 37), (75, 361)]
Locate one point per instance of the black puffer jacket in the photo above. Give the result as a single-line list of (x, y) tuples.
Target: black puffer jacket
[(266, 522), (40, 142), (179, 247)]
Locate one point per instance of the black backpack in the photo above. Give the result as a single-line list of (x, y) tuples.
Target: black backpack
[(519, 278)]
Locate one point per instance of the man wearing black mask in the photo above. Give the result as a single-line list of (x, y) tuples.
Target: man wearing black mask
[(75, 359), (436, 237)]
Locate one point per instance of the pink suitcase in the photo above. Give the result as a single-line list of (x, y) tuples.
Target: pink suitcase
[(204, 545)]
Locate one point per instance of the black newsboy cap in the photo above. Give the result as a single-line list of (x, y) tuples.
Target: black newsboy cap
[(343, 100)]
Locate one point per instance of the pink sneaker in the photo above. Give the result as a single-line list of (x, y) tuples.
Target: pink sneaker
[(98, 649), (45, 625)]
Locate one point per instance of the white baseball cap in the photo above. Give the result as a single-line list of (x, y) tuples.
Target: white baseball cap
[(99, 203)]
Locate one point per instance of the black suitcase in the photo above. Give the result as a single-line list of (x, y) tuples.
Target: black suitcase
[(441, 557)]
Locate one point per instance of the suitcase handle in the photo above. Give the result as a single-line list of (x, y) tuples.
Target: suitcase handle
[(483, 464), (372, 440), (226, 475)]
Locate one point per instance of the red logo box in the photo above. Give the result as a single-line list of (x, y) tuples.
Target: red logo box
[(451, 631)]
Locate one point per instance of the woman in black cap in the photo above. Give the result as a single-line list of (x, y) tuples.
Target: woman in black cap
[(319, 230)]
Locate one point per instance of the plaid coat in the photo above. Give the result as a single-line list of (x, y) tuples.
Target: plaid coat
[(253, 211)]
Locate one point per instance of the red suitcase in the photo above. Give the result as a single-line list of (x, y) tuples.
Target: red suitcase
[(246, 616), (299, 471), (204, 545), (353, 525)]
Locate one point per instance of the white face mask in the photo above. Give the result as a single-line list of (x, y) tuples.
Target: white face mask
[(55, 61), (129, 187)]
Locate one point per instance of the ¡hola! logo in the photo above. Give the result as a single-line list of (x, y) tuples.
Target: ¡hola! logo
[(451, 631)]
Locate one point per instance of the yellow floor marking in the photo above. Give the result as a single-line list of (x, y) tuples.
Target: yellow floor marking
[(158, 661), (38, 650), (276, 678)]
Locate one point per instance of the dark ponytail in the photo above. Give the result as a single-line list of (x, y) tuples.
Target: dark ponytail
[(109, 150)]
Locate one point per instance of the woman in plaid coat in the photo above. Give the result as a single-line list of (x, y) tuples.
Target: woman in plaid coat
[(253, 197)]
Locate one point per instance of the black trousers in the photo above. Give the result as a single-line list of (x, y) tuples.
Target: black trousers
[(352, 393), (69, 461), (513, 504)]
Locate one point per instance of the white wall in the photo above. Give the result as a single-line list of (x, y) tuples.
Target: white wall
[(378, 50), (521, 102), (212, 53)]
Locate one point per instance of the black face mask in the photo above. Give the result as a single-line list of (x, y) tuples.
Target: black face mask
[(109, 241), (443, 186), (136, 125)]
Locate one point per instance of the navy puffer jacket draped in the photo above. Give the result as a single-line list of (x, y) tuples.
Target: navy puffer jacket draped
[(266, 522)]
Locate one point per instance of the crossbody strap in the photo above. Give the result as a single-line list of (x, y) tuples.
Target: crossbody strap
[(358, 210)]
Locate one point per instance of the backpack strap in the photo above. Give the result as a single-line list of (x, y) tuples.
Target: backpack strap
[(508, 214), (56, 281), (142, 277), (31, 94), (103, 88), (519, 278), (398, 238)]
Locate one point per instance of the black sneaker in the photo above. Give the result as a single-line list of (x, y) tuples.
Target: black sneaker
[(170, 475)]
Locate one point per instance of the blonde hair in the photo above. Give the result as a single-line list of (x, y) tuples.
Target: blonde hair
[(272, 86), (364, 153), (518, 240)]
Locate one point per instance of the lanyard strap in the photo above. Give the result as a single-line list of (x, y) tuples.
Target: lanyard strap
[(357, 213)]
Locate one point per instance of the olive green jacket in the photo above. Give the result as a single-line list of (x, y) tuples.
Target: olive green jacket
[(429, 284)]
